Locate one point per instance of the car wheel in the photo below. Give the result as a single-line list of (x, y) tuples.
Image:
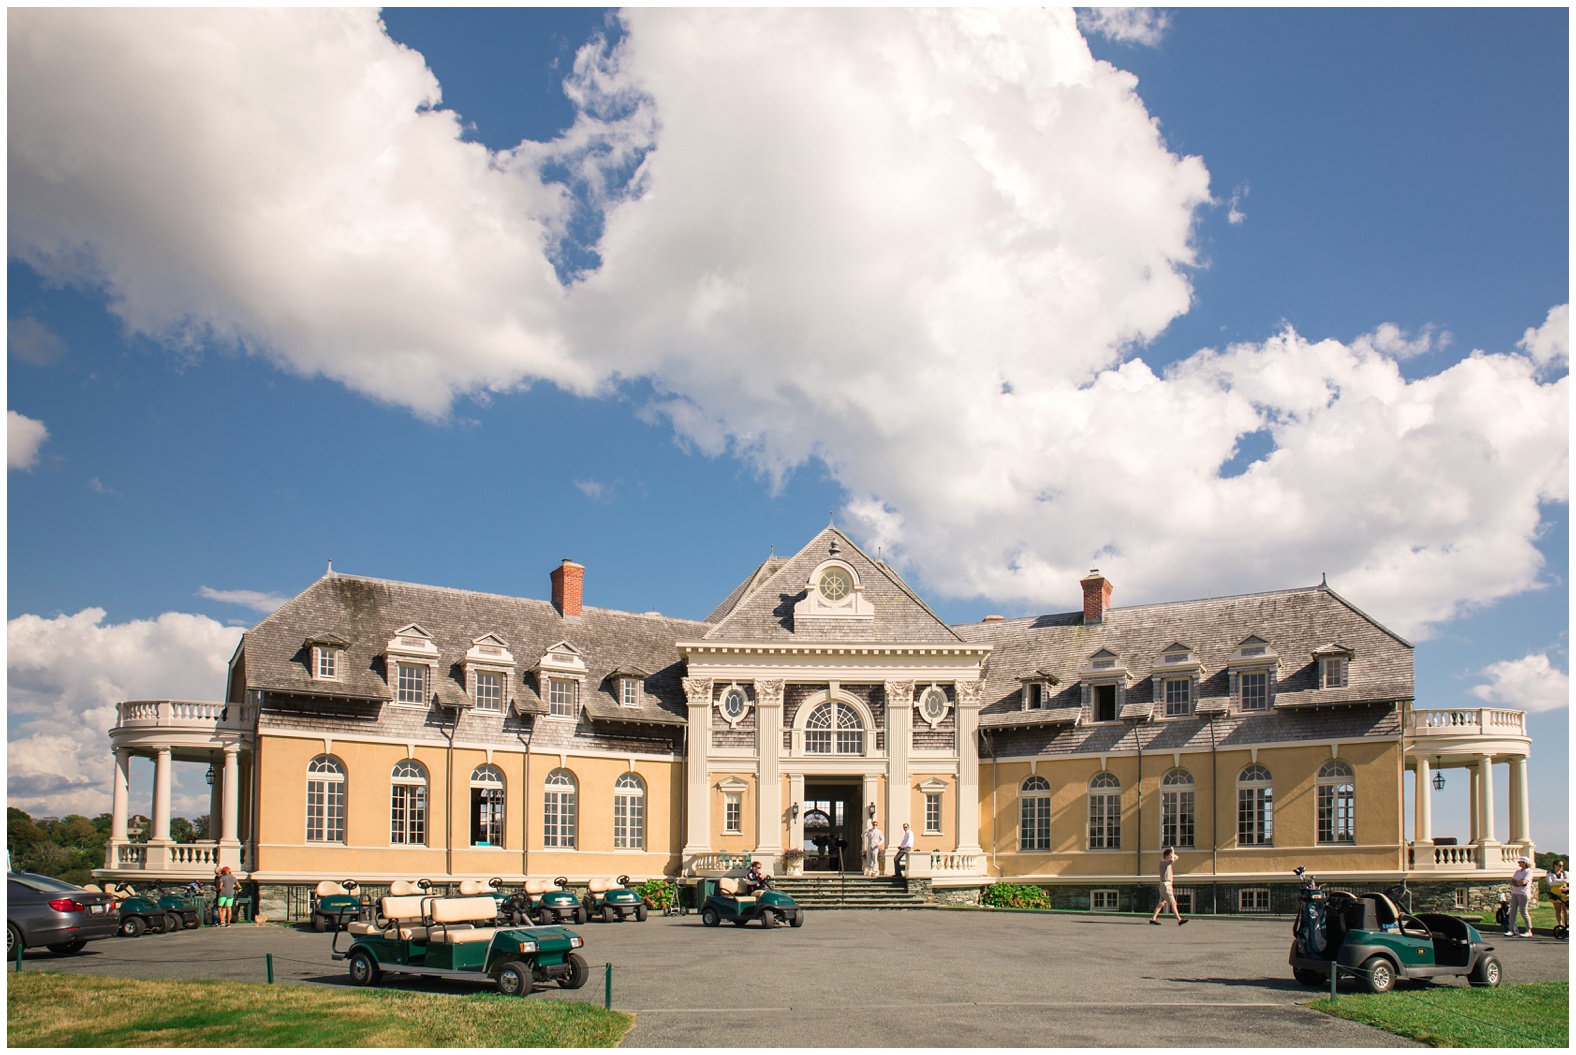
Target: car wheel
[(132, 926), (1378, 974), (319, 924), (640, 913), (13, 941), (709, 917), (797, 921), (69, 947), (581, 915), (768, 919), (1486, 972), (1306, 976), (363, 968), (578, 972), (514, 979)]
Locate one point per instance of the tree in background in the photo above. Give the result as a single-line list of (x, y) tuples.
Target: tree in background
[(71, 847)]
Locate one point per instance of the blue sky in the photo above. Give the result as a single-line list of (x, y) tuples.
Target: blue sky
[(788, 296)]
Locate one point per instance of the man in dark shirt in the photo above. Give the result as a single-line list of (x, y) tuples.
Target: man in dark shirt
[(228, 887), (754, 880)]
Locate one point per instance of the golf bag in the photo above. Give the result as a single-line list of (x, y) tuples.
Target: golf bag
[(1310, 931)]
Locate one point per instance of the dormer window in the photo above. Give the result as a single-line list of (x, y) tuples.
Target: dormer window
[(562, 694), (1178, 696), (489, 691), (629, 692), (1334, 666), (489, 670), (325, 663), (559, 675), (1104, 678), (1253, 668), (411, 684), (835, 584), (833, 592), (1037, 687), (412, 661), (1176, 677)]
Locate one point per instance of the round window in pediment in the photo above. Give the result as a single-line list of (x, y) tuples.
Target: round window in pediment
[(733, 704), (835, 585), (933, 705)]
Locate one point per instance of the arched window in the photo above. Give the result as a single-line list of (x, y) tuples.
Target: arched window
[(1176, 808), (834, 728), (408, 806), (486, 806), (629, 813), (325, 800), (1337, 803), (1255, 807), (1105, 812), (1034, 814), (558, 810)]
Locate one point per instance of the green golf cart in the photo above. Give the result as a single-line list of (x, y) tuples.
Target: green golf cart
[(614, 899), (723, 899), (335, 905)]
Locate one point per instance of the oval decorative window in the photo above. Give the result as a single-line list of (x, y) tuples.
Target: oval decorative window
[(933, 705), (835, 584), (733, 704)]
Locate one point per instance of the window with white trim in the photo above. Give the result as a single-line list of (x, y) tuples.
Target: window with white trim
[(1333, 671), (1103, 703), (325, 800), (629, 692), (325, 663), (732, 812), (1103, 901), (1255, 807), (834, 728), (1253, 690), (1034, 814), (1179, 697), (1463, 897), (932, 813), (408, 803), (629, 813), (1177, 809), (1105, 812), (561, 694), (559, 810), (1253, 899), (411, 684), (489, 691), (487, 800), (1337, 804)]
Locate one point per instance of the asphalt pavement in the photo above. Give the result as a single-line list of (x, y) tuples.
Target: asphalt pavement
[(897, 979)]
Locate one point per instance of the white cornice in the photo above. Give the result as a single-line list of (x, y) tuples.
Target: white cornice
[(828, 649)]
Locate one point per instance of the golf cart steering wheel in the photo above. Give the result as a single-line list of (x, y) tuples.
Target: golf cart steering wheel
[(562, 882), (623, 880)]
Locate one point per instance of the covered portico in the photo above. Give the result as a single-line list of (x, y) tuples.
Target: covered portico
[(1474, 739), (170, 731)]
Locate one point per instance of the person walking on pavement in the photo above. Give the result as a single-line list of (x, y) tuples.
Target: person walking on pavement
[(228, 886), (874, 841), (904, 845), (1520, 886), (1167, 894)]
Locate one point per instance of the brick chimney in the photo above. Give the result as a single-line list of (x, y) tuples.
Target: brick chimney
[(568, 579), (1097, 595)]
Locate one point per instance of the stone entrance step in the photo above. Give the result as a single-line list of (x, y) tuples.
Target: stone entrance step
[(832, 891)]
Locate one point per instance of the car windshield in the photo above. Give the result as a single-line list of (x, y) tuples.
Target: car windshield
[(42, 883)]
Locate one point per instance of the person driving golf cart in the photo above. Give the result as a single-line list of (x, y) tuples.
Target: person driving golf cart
[(755, 880)]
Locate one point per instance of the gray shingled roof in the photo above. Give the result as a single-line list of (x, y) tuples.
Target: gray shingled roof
[(367, 613), (762, 608), (767, 569), (1295, 623)]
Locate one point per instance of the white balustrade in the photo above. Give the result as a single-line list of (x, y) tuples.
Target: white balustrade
[(131, 855), (1459, 721), (183, 714), (963, 864), (1450, 856)]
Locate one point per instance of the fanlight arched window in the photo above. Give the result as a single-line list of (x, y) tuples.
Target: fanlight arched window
[(325, 800), (834, 728), (1337, 807), (629, 813), (487, 806), (1034, 814), (408, 805), (1105, 812), (1255, 807), (559, 810), (1177, 817)]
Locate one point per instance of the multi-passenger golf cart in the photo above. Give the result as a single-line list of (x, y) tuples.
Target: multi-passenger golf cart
[(722, 899), (613, 899), (335, 905), (1370, 937), (554, 903), (452, 937)]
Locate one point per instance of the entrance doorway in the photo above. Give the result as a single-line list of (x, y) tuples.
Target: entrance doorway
[(832, 827)]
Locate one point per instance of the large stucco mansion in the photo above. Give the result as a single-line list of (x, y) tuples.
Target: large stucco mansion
[(384, 730)]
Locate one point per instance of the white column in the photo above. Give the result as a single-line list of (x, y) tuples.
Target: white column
[(1486, 840), (1472, 805), (697, 819), (769, 789), (968, 720), (215, 797), (232, 794), (1520, 819), (1423, 829), (161, 796), (120, 794), (900, 738)]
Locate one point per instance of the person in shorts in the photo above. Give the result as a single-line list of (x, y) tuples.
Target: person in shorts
[(228, 886), (1168, 895)]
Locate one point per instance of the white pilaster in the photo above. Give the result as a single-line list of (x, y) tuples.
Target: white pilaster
[(232, 794), (120, 795), (769, 789), (161, 796), (1423, 826), (697, 819), (968, 718), (1520, 802), (899, 739)]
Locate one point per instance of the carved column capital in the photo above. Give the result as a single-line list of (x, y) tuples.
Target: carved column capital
[(697, 691), (968, 693), (769, 692), (900, 693)]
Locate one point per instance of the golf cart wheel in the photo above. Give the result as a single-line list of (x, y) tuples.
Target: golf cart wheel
[(514, 979), (13, 941), (132, 926), (608, 915), (798, 919), (172, 923), (768, 918), (1307, 976), (1486, 973), (640, 913), (191, 922), (364, 969), (68, 947), (581, 915), (319, 923), (578, 972), (1378, 974), (709, 917)]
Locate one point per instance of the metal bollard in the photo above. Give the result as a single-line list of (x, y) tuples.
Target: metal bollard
[(270, 968), (607, 989), (18, 956), (1335, 977)]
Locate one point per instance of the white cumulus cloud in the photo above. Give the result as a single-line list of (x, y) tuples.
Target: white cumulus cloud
[(923, 247), (64, 676), (1126, 25), (253, 599), (1531, 683), (23, 438)]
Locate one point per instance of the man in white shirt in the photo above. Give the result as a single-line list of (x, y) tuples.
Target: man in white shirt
[(874, 841), (904, 845)]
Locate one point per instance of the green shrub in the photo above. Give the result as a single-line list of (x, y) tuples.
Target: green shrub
[(657, 892), (1016, 895)]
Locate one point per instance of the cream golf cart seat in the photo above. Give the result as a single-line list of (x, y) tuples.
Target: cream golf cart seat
[(405, 888), (401, 916), (473, 887), (328, 888), (453, 920), (602, 886), (734, 888), (535, 888)]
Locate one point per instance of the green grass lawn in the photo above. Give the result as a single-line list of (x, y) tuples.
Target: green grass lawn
[(1511, 1016), (1542, 916), (51, 1009)]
